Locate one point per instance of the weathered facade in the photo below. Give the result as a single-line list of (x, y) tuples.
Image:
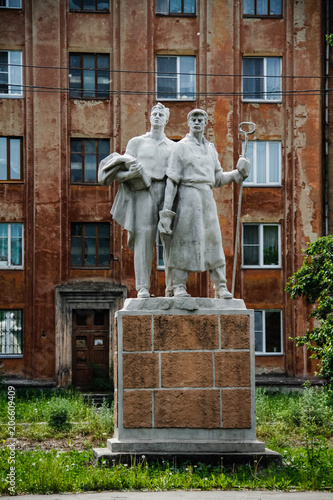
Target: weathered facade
[(248, 67)]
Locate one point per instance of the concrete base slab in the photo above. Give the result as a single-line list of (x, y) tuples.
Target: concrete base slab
[(227, 459), (140, 447)]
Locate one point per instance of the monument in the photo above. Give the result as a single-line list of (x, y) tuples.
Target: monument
[(183, 366)]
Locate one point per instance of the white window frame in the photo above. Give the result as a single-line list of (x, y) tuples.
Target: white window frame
[(261, 248), (159, 250), (17, 92), (254, 166), (7, 343), (8, 6), (266, 97), (178, 91), (8, 265), (264, 352)]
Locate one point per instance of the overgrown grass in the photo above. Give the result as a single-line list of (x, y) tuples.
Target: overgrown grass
[(299, 426), (33, 409)]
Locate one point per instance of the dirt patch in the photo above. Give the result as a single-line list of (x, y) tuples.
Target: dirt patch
[(65, 444)]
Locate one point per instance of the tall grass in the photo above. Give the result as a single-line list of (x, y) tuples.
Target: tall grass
[(299, 426), (34, 407)]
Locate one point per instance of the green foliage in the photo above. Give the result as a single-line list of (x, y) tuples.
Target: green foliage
[(58, 417), (299, 425), (314, 282), (329, 39), (33, 408)]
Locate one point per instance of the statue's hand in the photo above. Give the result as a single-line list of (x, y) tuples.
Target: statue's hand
[(164, 225), (243, 167), (135, 170)]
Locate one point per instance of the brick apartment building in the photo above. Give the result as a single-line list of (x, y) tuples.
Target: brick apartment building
[(78, 79)]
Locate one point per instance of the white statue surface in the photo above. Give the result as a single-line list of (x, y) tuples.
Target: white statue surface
[(189, 224), (141, 173)]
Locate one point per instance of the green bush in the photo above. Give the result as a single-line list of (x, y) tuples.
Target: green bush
[(58, 417)]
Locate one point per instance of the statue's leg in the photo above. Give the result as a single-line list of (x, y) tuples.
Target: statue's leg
[(179, 280), (143, 257), (220, 283)]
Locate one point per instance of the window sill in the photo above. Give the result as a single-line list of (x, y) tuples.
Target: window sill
[(89, 11), (262, 267), (160, 268), (11, 356), (269, 353), (168, 99), (262, 16), (72, 183), (9, 96), (263, 101), (11, 268), (11, 182), (171, 14), (90, 98), (265, 185), (95, 268)]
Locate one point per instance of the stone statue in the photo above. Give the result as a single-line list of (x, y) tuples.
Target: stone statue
[(189, 220), (141, 173)]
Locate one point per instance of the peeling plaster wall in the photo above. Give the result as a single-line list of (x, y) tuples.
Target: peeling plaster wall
[(133, 35)]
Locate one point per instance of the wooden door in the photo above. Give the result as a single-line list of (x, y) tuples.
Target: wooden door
[(90, 347)]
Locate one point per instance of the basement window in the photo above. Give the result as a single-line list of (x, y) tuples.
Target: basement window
[(268, 331), (11, 333)]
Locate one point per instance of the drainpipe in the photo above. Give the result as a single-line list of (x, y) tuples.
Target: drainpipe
[(325, 120)]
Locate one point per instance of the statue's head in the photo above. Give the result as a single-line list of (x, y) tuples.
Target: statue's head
[(159, 115), (196, 117)]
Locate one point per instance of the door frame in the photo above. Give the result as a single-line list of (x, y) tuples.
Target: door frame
[(81, 295)]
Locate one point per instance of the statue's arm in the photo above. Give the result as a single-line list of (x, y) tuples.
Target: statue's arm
[(238, 175)]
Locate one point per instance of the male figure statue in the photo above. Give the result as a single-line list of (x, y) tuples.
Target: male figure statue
[(196, 244), (142, 180)]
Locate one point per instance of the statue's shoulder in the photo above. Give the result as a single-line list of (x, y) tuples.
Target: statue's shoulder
[(212, 146)]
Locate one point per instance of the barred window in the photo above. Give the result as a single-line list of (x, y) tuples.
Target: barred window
[(11, 332)]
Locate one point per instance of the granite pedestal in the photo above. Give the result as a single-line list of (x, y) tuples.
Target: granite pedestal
[(184, 382)]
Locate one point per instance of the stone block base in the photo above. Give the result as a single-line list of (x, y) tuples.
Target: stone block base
[(184, 379)]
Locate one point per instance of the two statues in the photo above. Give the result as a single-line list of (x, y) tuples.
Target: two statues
[(168, 185)]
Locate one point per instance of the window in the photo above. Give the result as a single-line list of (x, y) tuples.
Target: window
[(175, 77), (175, 7), (10, 159), (90, 244), (262, 79), (265, 158), (262, 8), (11, 326), (159, 252), (268, 331), (89, 5), (85, 157), (89, 76), (10, 73), (261, 245), (10, 4), (11, 246)]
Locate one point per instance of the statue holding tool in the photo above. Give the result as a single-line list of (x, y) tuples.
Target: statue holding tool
[(189, 224)]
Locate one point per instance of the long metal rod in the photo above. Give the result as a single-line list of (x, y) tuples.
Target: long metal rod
[(244, 150)]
